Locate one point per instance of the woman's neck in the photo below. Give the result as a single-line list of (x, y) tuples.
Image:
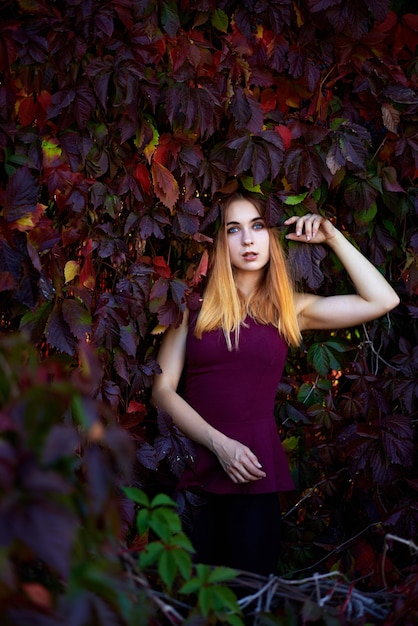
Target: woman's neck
[(247, 283)]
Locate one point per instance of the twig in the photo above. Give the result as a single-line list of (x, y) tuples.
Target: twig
[(407, 542), (376, 353)]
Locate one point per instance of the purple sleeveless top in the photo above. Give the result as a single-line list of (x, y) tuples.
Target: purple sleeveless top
[(235, 392)]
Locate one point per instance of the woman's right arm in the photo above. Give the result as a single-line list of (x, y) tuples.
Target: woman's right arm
[(237, 460)]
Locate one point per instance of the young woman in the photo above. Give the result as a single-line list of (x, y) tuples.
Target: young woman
[(233, 352)]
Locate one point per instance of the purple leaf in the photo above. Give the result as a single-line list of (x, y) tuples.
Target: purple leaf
[(57, 332), (147, 456), (62, 441), (128, 341), (158, 294), (77, 318), (21, 195), (169, 314), (304, 261), (169, 17), (178, 291), (185, 224), (50, 530)]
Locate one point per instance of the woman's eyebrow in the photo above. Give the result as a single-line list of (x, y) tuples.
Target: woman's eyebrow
[(255, 219)]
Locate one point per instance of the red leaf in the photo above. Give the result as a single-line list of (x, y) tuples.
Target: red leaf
[(142, 175), (137, 407), (161, 267), (39, 595), (202, 268), (406, 33), (88, 274), (285, 134), (165, 185), (7, 281)]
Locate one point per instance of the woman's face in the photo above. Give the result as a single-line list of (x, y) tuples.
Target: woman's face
[(247, 237)]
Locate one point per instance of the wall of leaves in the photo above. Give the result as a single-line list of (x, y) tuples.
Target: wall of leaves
[(122, 124)]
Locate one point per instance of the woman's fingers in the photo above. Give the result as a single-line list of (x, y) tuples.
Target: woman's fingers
[(310, 227), (240, 463), (307, 225)]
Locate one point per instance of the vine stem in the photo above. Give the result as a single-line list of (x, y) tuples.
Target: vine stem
[(406, 542)]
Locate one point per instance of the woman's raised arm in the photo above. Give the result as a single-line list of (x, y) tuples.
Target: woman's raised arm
[(374, 296)]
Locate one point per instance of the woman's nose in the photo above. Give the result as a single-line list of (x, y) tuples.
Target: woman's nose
[(247, 238)]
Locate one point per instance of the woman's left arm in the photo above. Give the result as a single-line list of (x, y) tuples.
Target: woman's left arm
[(374, 296)]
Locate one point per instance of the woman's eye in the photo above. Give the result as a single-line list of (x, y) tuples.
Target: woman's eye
[(259, 225), (232, 229)]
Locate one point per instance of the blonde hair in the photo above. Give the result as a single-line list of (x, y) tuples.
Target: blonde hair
[(272, 303)]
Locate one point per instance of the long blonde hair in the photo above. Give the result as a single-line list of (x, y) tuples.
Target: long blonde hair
[(273, 301)]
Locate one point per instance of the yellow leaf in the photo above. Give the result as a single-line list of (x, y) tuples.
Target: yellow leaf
[(30, 220), (71, 270), (158, 330), (51, 151), (151, 147)]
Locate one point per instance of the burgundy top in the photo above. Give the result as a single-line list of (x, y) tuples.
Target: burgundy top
[(235, 392)]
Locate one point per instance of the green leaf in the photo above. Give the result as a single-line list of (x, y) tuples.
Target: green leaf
[(167, 567), (161, 499), (137, 496), (143, 521), (220, 20), (290, 443), (248, 184), (183, 561), (205, 600), (182, 541), (191, 586), (313, 393), (366, 215), (220, 574), (203, 572), (224, 598), (151, 554), (322, 356), (235, 620), (293, 200), (164, 523)]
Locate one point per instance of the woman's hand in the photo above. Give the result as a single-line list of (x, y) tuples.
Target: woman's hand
[(311, 228), (237, 460)]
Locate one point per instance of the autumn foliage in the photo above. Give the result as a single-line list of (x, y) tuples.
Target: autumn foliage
[(122, 124)]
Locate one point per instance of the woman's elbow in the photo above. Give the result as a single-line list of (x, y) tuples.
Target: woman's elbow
[(391, 302)]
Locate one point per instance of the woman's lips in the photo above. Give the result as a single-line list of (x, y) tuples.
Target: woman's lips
[(250, 256)]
